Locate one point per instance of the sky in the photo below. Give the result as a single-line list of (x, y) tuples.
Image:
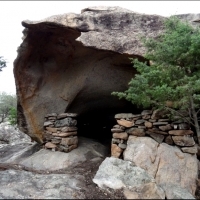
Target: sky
[(12, 13)]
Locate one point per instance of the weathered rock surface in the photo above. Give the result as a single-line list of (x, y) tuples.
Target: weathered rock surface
[(167, 164), (142, 151), (87, 150), (116, 174), (11, 135), (16, 184)]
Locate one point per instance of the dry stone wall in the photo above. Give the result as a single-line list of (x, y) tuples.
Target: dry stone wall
[(60, 132), (154, 124)]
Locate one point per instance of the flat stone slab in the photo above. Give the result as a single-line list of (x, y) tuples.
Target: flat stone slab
[(51, 161), (39, 186)]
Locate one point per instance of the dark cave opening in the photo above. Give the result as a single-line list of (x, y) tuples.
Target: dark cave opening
[(97, 124)]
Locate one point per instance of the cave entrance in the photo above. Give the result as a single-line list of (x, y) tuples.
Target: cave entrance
[(96, 124)]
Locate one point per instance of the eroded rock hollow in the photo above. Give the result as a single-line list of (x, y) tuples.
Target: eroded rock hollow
[(72, 63)]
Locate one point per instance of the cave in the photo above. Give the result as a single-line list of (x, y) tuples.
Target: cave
[(97, 123)]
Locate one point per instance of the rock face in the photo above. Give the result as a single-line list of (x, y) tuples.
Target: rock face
[(72, 63), (136, 182), (167, 164)]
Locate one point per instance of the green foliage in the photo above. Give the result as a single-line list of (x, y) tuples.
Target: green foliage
[(12, 118), (2, 63), (7, 102), (174, 74)]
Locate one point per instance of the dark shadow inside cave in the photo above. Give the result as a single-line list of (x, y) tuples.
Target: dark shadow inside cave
[(96, 124)]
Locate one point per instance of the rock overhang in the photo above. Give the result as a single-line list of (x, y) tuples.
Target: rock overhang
[(72, 63)]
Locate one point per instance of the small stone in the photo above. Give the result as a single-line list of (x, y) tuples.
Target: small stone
[(69, 141), (122, 146), (63, 148), (55, 134), (64, 115), (146, 116), (115, 141), (48, 123), (65, 122), (123, 115), (191, 150), (152, 120), (148, 124), (125, 123), (155, 130), (157, 137), (169, 140), (69, 129), (123, 136), (142, 127), (139, 121), (51, 118), (165, 128), (53, 130), (146, 112), (183, 140), (116, 151), (55, 141), (50, 145), (51, 115), (181, 132), (116, 130), (67, 134), (163, 120), (136, 131), (159, 123)]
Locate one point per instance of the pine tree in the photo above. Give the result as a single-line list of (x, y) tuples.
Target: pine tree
[(173, 76)]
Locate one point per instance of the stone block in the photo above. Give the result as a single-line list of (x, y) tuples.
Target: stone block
[(148, 124), (169, 140), (53, 130), (69, 129), (136, 131), (123, 135), (69, 141), (64, 115), (183, 140), (116, 151), (125, 123), (65, 122), (67, 134), (181, 132)]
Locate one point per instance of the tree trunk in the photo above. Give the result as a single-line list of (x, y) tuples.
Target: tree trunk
[(195, 118)]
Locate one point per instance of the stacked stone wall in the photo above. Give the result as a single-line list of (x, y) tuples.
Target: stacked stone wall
[(154, 124), (60, 132)]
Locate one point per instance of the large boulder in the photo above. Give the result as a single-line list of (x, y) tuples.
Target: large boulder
[(170, 167), (72, 63)]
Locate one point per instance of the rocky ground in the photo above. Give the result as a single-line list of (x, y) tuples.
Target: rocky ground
[(89, 190), (29, 171)]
